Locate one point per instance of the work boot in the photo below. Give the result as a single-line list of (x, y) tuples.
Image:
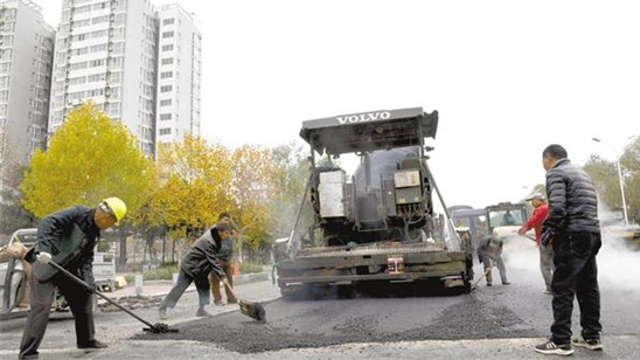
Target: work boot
[(93, 344), (202, 313), (162, 311)]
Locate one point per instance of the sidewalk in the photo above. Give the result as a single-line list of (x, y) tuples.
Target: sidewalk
[(160, 288)]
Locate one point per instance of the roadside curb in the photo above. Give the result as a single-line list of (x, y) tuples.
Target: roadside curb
[(160, 288)]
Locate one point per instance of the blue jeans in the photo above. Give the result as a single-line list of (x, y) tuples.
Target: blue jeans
[(184, 280), (576, 275)]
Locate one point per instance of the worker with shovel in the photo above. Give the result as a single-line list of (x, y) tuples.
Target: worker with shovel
[(490, 253), (200, 260), (66, 237)]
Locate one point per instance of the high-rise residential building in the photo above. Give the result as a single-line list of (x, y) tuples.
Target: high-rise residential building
[(140, 65), (107, 51), (26, 55), (179, 67)]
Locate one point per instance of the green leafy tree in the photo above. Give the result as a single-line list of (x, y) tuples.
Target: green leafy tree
[(605, 176), (293, 174), (253, 184), (89, 158), (630, 163)]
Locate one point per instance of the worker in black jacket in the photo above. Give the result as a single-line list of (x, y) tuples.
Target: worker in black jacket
[(573, 228), (67, 237), (196, 265)]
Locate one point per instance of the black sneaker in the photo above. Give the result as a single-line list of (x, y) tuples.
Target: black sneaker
[(506, 283), (552, 348), (93, 344), (489, 285), (591, 344)]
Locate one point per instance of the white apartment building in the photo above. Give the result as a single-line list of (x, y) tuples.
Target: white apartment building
[(139, 65), (26, 55), (106, 51), (179, 66)]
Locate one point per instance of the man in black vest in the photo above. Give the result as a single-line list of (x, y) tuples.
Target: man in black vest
[(67, 237)]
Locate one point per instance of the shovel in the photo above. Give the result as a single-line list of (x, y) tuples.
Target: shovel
[(481, 277), (254, 310), (152, 328)]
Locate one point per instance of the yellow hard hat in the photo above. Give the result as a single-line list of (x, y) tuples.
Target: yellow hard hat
[(118, 206)]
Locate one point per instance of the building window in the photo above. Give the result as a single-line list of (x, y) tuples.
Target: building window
[(165, 102), (164, 117), (165, 131), (97, 77), (166, 88), (168, 47), (168, 21), (166, 74), (167, 61), (96, 63), (98, 48), (167, 34), (78, 66), (82, 51), (100, 19)]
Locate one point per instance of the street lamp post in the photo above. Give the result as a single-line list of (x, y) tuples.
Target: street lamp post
[(624, 202)]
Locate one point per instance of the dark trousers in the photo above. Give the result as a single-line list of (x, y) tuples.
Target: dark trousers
[(183, 282), (41, 297), (576, 275)]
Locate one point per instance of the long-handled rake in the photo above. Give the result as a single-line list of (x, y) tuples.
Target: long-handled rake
[(254, 310), (152, 328)]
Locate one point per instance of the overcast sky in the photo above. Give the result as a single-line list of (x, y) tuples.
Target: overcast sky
[(507, 77)]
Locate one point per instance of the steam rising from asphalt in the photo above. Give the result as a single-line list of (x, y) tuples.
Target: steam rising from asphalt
[(618, 261)]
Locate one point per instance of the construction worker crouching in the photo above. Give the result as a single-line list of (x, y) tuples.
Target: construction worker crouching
[(490, 254)]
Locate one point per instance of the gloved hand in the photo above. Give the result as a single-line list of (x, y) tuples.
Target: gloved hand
[(522, 231), (547, 236), (43, 257), (87, 276)]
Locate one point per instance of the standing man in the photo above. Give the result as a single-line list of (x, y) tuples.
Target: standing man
[(200, 260), (225, 258), (540, 211), (67, 237), (489, 253), (572, 226)]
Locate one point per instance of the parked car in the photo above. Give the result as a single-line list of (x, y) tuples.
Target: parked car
[(14, 273)]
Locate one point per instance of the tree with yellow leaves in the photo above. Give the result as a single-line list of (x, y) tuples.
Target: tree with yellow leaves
[(89, 158), (195, 184)]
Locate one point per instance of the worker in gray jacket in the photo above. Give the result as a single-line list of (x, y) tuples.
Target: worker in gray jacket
[(200, 260), (490, 254)]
